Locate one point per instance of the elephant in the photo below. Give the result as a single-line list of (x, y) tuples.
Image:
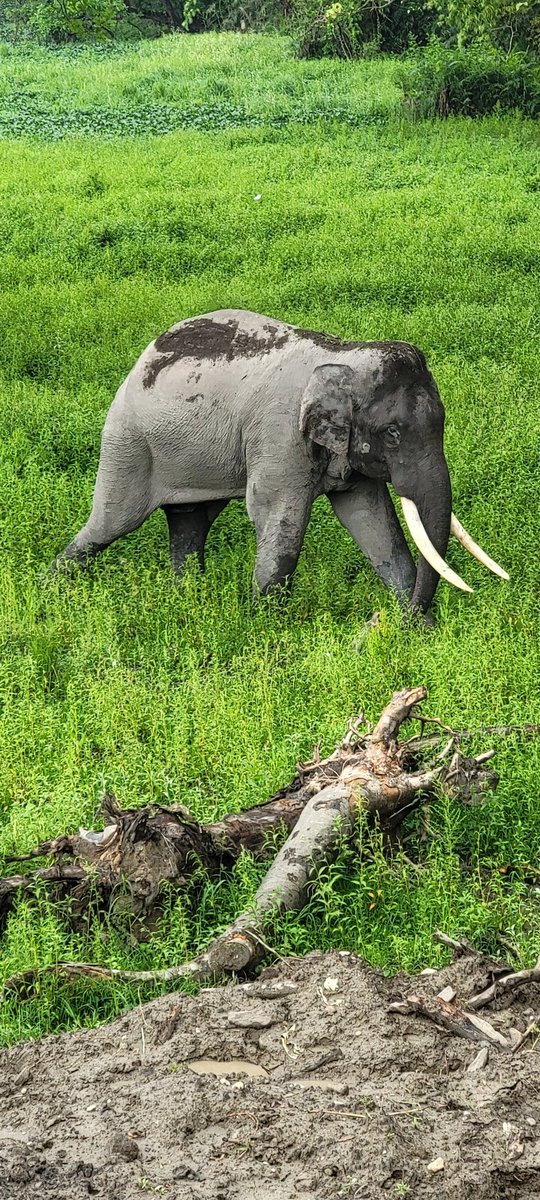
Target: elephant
[(232, 404)]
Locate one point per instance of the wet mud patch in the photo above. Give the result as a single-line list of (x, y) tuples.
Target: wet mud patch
[(349, 1099)]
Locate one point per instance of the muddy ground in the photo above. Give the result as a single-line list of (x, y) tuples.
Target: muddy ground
[(349, 1100)]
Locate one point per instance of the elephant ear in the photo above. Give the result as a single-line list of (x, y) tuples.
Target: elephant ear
[(326, 409)]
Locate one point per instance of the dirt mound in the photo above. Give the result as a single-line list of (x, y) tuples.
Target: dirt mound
[(313, 1087)]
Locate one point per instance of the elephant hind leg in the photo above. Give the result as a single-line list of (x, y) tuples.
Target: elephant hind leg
[(122, 499), (189, 525)]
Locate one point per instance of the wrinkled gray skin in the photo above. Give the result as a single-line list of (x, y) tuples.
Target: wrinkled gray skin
[(235, 404)]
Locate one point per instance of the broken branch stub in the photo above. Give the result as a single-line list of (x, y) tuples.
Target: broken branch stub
[(507, 982)]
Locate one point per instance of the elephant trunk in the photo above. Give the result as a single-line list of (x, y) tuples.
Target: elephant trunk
[(429, 514)]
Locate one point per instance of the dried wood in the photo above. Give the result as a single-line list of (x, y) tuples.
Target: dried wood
[(452, 1018), (505, 983), (459, 947)]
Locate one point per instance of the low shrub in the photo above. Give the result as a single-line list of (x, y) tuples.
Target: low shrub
[(57, 21), (469, 81)]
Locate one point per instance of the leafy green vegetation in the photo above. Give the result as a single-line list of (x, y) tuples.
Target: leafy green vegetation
[(358, 28), (215, 82), (469, 82), (119, 679)]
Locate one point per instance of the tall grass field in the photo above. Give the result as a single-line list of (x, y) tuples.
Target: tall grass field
[(216, 171)]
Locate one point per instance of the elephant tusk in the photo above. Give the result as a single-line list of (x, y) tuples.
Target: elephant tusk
[(432, 556), (466, 540)]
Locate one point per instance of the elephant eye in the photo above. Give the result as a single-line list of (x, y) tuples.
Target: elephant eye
[(392, 435)]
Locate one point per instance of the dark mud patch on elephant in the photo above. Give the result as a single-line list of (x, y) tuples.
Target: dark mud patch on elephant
[(207, 340), (308, 1084), (327, 341)]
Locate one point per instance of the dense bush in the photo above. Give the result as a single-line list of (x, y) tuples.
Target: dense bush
[(507, 24), (469, 81), (351, 28), (328, 31), (240, 14), (61, 20)]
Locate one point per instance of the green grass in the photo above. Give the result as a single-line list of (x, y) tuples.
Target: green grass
[(215, 82), (118, 678)]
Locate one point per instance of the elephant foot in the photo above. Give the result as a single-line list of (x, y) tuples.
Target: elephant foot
[(59, 569), (274, 597), (413, 617)]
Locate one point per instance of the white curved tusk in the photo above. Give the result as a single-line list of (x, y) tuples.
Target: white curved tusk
[(432, 556), (466, 540)]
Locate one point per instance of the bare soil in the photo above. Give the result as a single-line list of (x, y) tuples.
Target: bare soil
[(348, 1100)]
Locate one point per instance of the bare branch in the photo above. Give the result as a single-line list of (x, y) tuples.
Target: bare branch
[(396, 713), (141, 850), (506, 983)]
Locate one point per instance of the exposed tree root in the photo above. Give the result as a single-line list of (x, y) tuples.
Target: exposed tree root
[(451, 1017), (505, 983), (126, 865), (461, 1019)]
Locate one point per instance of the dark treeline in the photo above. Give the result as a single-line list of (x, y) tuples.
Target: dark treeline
[(320, 28)]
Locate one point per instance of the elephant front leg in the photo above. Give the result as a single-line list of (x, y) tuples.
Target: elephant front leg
[(368, 514), (280, 521)]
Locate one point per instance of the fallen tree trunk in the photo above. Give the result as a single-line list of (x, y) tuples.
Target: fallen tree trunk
[(141, 850), (127, 864)]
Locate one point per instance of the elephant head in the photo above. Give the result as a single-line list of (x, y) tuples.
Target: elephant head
[(388, 424)]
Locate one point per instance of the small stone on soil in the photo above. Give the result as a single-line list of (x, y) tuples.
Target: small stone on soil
[(305, 1183), (480, 1060), (186, 1171), (331, 984), (123, 1146), (251, 1020)]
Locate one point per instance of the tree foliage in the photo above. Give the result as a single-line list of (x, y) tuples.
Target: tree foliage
[(504, 23), (348, 28), (93, 20), (63, 20), (321, 28)]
